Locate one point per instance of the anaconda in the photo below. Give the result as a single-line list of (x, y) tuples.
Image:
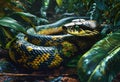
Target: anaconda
[(38, 50)]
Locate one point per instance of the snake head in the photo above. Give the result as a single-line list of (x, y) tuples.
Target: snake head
[(81, 27)]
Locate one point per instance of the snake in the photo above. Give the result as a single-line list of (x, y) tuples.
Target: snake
[(49, 45)]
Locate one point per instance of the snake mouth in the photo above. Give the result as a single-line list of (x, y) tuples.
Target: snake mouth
[(83, 32), (81, 28)]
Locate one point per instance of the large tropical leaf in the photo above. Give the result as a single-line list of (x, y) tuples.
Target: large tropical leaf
[(31, 18), (101, 62), (11, 23)]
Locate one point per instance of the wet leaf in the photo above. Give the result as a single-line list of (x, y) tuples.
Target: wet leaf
[(25, 14), (12, 24)]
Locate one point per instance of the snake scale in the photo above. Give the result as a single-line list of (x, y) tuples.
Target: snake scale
[(46, 48)]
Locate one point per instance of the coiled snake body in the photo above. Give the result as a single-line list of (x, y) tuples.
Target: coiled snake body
[(42, 50)]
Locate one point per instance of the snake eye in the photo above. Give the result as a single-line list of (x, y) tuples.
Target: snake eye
[(76, 27), (80, 27), (68, 26)]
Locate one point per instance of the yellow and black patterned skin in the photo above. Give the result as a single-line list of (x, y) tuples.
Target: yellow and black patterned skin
[(32, 56), (43, 56), (45, 48), (37, 51)]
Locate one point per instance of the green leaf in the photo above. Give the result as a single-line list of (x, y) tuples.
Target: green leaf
[(25, 14), (11, 23), (8, 45), (93, 65), (7, 33), (108, 67), (59, 2), (26, 17)]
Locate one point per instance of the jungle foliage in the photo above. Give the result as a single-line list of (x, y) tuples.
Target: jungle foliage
[(18, 15)]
